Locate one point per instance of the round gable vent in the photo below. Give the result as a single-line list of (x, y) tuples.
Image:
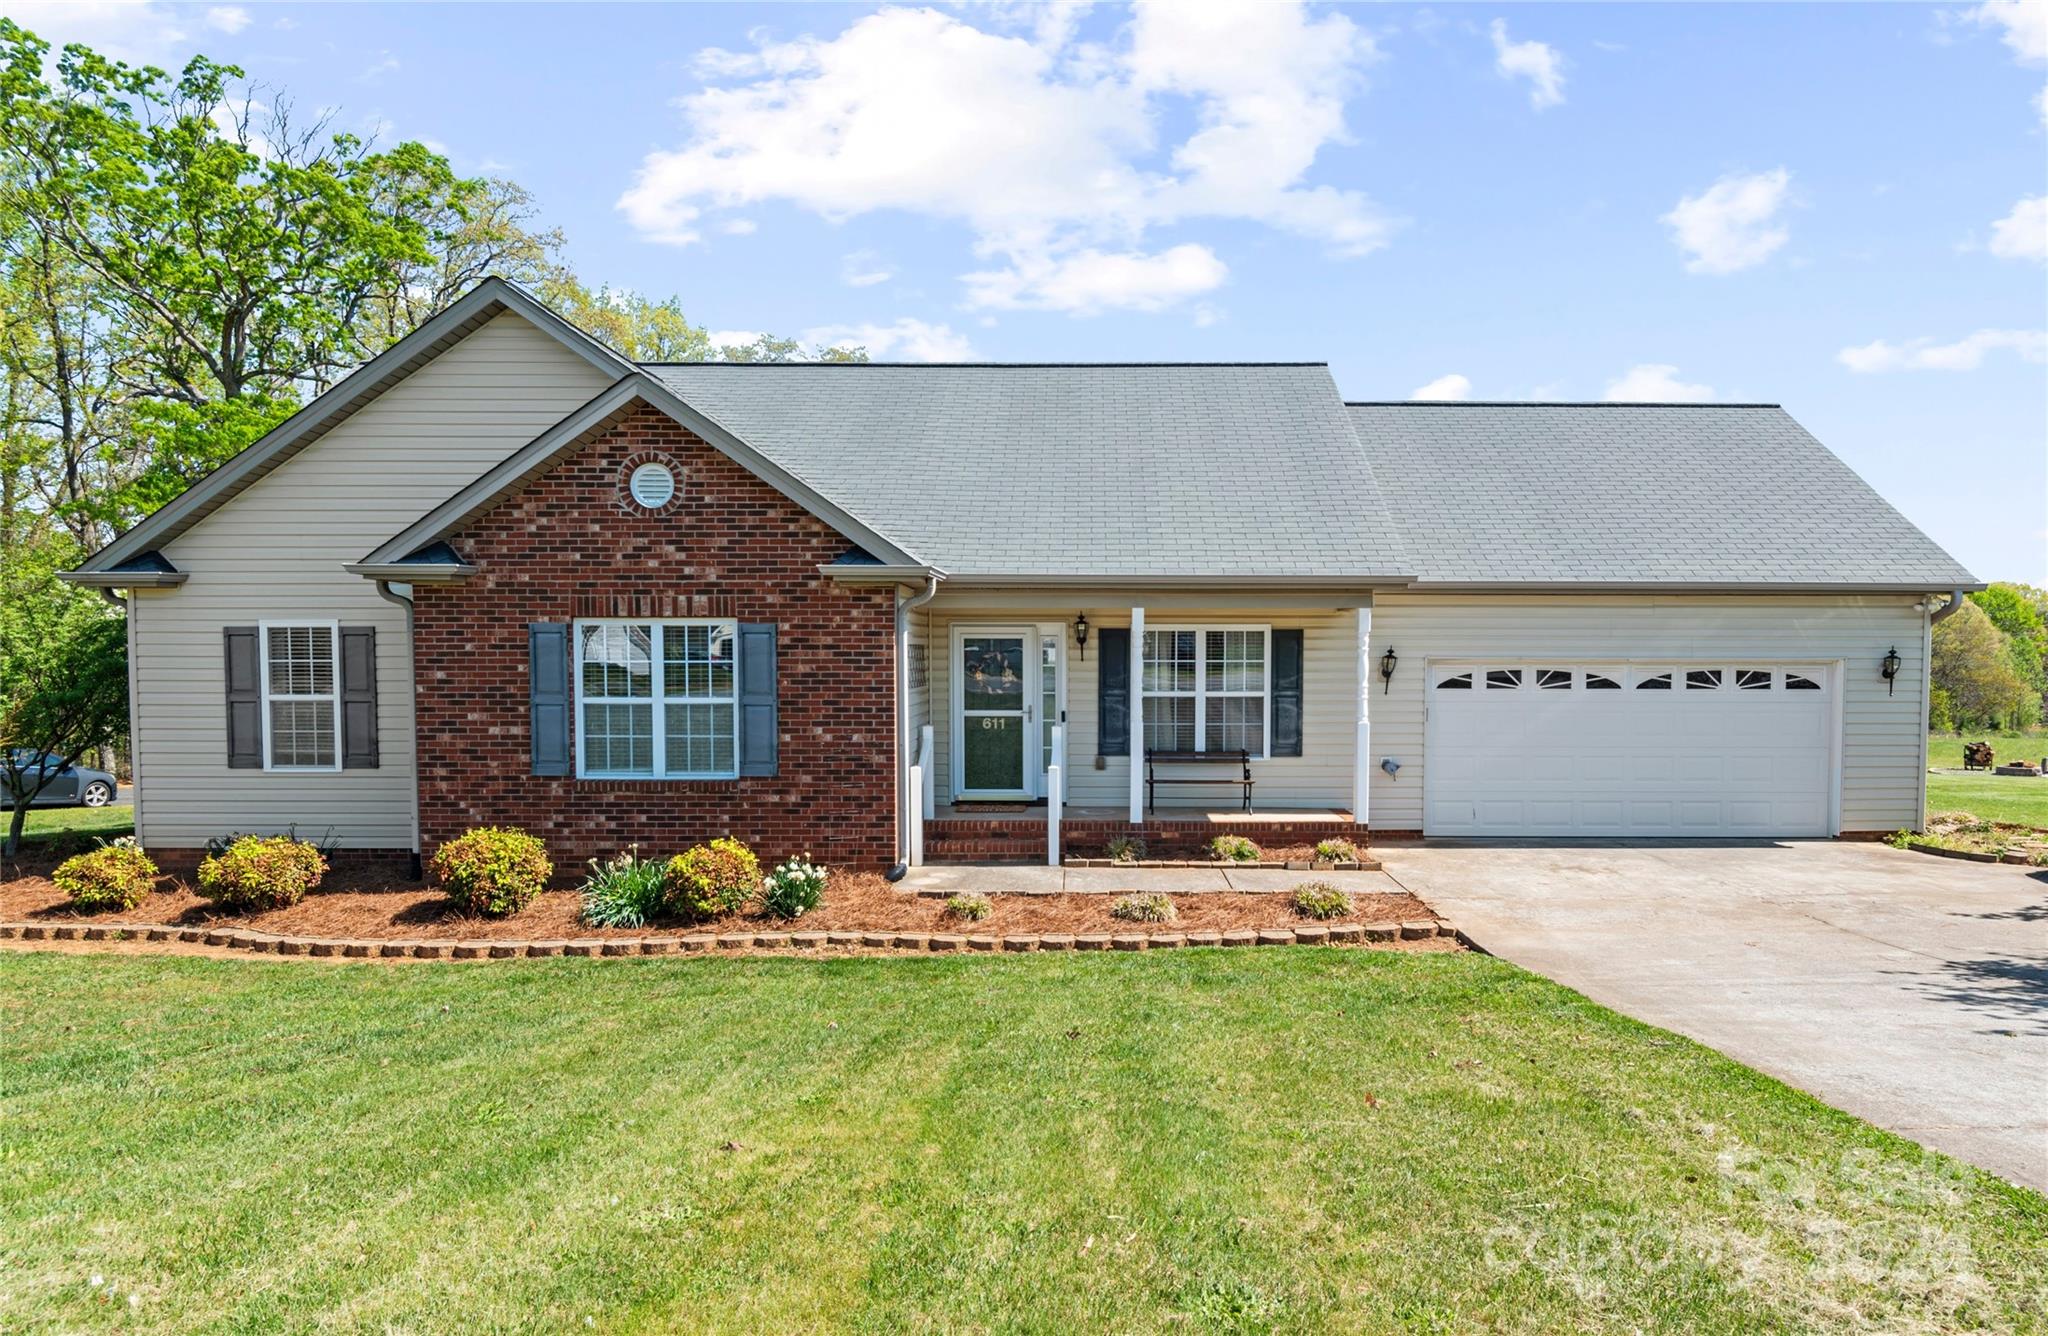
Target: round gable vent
[(652, 485)]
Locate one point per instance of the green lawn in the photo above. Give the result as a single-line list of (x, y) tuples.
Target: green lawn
[(1303, 1140), (81, 823), (1991, 797)]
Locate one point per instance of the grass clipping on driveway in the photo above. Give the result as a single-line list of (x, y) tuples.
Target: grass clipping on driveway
[(1206, 1141)]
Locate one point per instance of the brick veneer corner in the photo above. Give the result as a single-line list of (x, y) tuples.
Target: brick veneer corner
[(570, 545)]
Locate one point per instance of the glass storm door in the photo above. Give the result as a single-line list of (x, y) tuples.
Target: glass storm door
[(997, 740)]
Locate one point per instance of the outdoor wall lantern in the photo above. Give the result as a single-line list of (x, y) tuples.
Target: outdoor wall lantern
[(1388, 662), (1889, 670), (1081, 633)]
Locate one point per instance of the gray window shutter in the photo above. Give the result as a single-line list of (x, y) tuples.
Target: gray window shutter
[(244, 658), (547, 658), (1286, 693), (359, 698), (1113, 692), (760, 736)]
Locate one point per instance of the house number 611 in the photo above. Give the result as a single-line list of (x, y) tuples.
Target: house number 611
[(995, 723)]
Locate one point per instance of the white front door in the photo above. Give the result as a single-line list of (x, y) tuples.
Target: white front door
[(1733, 748), (996, 748)]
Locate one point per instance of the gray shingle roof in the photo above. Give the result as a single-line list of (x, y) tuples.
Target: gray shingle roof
[(1246, 470), (1635, 493)]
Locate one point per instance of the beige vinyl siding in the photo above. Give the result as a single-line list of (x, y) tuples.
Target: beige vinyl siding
[(275, 553), (1881, 733), (1320, 778)]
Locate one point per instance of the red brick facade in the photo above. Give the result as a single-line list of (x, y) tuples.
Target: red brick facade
[(570, 545)]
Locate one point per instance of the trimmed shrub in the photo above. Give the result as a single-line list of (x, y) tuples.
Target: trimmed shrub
[(794, 888), (1124, 849), (712, 880), (117, 875), (1153, 908), (973, 908), (1233, 849), (1336, 851), (625, 892), (492, 870), (1320, 900), (262, 872)]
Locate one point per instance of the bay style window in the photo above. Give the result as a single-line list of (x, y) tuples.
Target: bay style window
[(1207, 689), (657, 700), (301, 707)]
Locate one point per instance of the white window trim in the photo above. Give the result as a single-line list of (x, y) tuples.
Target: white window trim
[(1201, 692), (658, 701), (265, 696)]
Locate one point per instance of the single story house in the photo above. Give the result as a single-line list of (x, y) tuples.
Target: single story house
[(502, 575)]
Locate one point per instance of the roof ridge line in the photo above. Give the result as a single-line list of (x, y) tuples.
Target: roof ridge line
[(1544, 403), (1017, 366)]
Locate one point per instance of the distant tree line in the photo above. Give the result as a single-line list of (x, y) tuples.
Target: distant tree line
[(184, 261), (1991, 662)]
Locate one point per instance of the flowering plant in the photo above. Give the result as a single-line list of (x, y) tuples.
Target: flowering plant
[(794, 888)]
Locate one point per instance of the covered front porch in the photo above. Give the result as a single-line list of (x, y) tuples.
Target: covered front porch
[(1035, 729)]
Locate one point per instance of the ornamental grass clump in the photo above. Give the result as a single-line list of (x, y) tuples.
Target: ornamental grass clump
[(712, 880), (1336, 851), (117, 875), (1152, 908), (1320, 900), (625, 892), (1233, 849), (492, 870), (794, 888), (262, 872), (1125, 849), (972, 908)]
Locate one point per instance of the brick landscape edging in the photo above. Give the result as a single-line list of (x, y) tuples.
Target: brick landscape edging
[(386, 948)]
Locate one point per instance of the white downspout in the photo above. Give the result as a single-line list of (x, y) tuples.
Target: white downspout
[(390, 591), (1955, 601), (904, 754)]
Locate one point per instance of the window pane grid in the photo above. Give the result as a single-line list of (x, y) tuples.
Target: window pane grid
[(678, 723), (299, 697), (1205, 690)]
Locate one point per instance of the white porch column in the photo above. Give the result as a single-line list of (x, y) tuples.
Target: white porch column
[(1137, 716), (1361, 764)]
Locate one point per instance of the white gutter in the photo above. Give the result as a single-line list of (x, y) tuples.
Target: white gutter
[(904, 797)]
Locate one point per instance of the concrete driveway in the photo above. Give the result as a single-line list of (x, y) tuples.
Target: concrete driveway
[(1909, 990)]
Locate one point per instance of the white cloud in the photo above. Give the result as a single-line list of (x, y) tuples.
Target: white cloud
[(864, 269), (739, 227), (137, 31), (1965, 354), (907, 340), (1091, 281), (1453, 386), (229, 19), (1538, 62), (2025, 23), (734, 338), (383, 65), (2023, 233), (1049, 150), (1657, 383), (1733, 224)]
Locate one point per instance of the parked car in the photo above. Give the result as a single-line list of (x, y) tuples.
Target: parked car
[(71, 786)]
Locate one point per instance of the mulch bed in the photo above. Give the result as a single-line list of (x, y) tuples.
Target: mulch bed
[(371, 903)]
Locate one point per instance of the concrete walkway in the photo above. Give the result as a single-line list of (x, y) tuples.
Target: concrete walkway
[(993, 879), (1908, 990)]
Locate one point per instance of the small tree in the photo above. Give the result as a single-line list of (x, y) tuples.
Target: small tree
[(1973, 664), (58, 703)]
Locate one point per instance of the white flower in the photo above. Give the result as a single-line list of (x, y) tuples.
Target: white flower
[(97, 1280)]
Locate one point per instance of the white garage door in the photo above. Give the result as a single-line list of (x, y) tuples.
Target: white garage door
[(1668, 750)]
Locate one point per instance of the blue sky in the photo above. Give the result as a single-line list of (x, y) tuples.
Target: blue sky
[(1843, 208)]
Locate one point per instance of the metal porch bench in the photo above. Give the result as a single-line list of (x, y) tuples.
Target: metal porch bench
[(1242, 780)]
